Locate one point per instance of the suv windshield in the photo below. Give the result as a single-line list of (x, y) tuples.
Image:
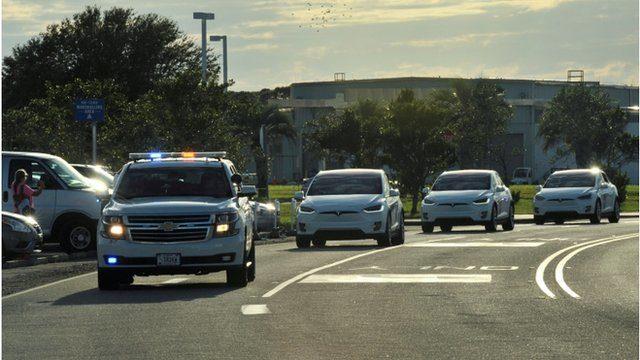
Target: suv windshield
[(67, 173), (346, 184), (570, 180), (463, 182), (178, 181)]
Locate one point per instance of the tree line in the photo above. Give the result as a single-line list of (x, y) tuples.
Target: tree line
[(466, 126)]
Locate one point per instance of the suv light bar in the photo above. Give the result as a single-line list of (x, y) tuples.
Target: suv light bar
[(182, 154)]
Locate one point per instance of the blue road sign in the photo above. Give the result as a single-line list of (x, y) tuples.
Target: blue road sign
[(89, 109)]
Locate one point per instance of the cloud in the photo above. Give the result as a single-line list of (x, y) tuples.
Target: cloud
[(353, 12), (257, 47), (483, 39), (422, 70), (268, 35)]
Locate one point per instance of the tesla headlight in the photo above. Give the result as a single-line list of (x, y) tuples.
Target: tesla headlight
[(306, 210), (113, 226), (373, 208), (15, 225), (225, 224), (428, 202), (482, 200), (539, 198), (585, 196)]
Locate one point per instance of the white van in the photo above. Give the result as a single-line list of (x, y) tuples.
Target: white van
[(68, 209)]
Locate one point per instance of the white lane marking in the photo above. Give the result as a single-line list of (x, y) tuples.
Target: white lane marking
[(47, 285), (561, 265), (396, 278), (255, 309), (478, 244), (175, 281), (543, 265), (284, 284)]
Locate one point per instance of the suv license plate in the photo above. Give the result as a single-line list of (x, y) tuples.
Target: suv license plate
[(168, 259)]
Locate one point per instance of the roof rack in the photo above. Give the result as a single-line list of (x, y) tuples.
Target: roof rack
[(179, 155)]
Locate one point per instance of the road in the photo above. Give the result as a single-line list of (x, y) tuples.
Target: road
[(553, 291)]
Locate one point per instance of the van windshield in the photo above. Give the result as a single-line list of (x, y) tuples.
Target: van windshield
[(71, 177), (174, 181)]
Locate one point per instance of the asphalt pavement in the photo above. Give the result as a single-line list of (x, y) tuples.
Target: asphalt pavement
[(552, 291)]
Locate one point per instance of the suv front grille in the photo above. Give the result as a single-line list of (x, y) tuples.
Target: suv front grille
[(176, 219), (159, 235)]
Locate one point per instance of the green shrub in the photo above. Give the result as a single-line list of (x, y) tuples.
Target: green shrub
[(620, 179)]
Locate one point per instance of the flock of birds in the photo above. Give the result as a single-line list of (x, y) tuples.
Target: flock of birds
[(324, 14)]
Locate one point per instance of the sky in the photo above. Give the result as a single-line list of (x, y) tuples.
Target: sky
[(279, 42)]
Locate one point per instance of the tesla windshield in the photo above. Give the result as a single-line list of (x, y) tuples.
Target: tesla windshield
[(346, 184), (463, 182), (571, 180), (186, 181)]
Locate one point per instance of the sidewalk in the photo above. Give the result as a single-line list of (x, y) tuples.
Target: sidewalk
[(521, 218)]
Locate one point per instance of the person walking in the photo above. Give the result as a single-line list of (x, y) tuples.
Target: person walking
[(23, 194)]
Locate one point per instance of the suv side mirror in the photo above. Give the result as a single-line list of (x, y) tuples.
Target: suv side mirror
[(236, 179), (247, 191), (394, 192), (426, 190), (298, 195), (538, 188)]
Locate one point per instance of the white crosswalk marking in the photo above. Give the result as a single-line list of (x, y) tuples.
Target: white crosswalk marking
[(175, 281)]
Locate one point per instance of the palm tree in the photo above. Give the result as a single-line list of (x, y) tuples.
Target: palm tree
[(250, 116)]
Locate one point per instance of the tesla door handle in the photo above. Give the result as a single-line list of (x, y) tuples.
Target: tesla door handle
[(5, 196)]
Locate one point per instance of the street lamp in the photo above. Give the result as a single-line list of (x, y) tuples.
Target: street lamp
[(203, 16), (222, 38)]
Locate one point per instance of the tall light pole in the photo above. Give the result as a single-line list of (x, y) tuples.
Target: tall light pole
[(203, 16), (222, 38)]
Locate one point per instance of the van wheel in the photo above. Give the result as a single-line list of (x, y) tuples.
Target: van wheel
[(108, 280), (302, 242), (78, 235), (427, 228)]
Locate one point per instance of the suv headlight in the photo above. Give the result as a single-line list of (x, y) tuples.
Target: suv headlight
[(585, 196), (306, 210), (15, 225), (113, 227), (482, 200), (428, 202), (373, 208), (539, 198), (225, 224)]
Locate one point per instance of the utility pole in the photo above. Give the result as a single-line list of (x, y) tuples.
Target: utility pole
[(203, 17), (222, 38)]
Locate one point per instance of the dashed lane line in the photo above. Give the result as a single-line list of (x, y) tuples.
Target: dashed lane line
[(47, 285), (255, 309), (175, 280), (559, 272)]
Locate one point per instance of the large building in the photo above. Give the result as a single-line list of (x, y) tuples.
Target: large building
[(528, 98)]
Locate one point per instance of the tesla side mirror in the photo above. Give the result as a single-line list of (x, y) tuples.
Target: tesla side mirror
[(538, 188), (298, 195), (248, 191), (236, 179), (425, 190), (394, 192), (500, 188), (604, 186)]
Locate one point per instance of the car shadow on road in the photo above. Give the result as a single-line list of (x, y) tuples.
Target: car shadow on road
[(146, 293), (330, 247)]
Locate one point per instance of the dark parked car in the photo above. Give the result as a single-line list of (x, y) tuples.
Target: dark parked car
[(20, 234)]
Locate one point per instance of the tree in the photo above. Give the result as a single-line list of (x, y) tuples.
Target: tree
[(249, 116), (415, 141), (481, 117), (134, 51), (354, 134), (582, 121)]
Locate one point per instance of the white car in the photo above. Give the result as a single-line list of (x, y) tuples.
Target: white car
[(177, 213), (468, 197), (349, 204), (576, 194), (68, 208), (522, 176)]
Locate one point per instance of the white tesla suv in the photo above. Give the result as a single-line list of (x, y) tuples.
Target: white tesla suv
[(177, 213), (349, 204), (468, 197), (576, 194)]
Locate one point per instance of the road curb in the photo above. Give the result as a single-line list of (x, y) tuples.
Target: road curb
[(38, 259)]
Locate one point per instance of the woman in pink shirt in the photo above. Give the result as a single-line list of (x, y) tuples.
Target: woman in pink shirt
[(23, 193)]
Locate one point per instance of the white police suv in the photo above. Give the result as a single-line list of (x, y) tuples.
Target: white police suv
[(349, 204), (177, 213), (576, 194), (467, 197)]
